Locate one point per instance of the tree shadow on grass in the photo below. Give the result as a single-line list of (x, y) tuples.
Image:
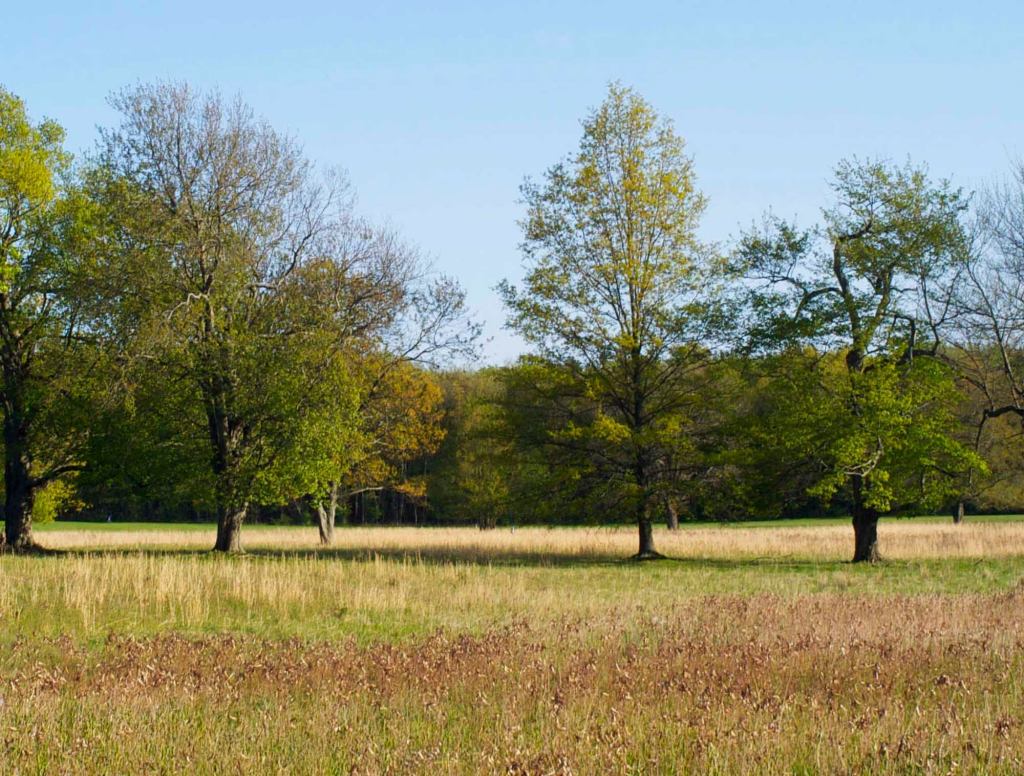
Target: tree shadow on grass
[(511, 558)]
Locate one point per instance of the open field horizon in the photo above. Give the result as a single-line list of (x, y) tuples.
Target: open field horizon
[(822, 538)]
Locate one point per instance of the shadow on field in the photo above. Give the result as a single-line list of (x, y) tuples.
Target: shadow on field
[(447, 556), (541, 559)]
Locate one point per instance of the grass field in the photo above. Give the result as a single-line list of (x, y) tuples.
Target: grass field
[(755, 649)]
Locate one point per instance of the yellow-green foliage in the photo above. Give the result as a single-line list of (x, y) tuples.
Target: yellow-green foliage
[(29, 158), (51, 499)]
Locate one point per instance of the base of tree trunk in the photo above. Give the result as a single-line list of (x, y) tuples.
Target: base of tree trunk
[(22, 547), (868, 554), (646, 549), (326, 537), (870, 559), (866, 551), (865, 534), (17, 534), (648, 555), (235, 549), (26, 548), (958, 513), (325, 527), (229, 531)]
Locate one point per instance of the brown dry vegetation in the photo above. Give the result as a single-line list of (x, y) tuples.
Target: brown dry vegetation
[(425, 660), (722, 684)]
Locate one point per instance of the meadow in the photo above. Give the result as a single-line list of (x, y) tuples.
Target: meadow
[(753, 649)]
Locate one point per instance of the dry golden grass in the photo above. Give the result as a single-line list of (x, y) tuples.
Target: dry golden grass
[(898, 540)]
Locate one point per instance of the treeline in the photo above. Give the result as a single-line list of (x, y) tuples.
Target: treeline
[(195, 323)]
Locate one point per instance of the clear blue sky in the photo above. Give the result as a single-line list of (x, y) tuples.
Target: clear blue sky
[(438, 110)]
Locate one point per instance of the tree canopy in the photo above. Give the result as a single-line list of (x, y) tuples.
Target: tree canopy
[(866, 295), (619, 300)]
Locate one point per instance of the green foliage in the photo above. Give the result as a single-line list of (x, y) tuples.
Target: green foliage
[(619, 300), (53, 350), (854, 309), (478, 475), (32, 159), (283, 323), (52, 499)]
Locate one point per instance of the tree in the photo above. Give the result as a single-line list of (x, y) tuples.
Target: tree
[(992, 300), (393, 322), (49, 361), (252, 284), (989, 341), (220, 210), (396, 419), (864, 298), (618, 299)]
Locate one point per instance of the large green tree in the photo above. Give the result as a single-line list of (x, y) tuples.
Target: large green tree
[(618, 300), (859, 304), (50, 362), (238, 257), (254, 290)]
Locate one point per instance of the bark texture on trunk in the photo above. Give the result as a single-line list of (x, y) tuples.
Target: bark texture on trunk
[(18, 518), (226, 434), (225, 438), (865, 535), (229, 528), (671, 514), (19, 489), (646, 529), (958, 512), (646, 540), (326, 515), (644, 508), (865, 526)]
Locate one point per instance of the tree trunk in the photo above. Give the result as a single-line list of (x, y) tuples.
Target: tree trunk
[(643, 512), (647, 550), (19, 490), (646, 528), (229, 528), (865, 525), (225, 435), (325, 516), (18, 498), (958, 513), (671, 514), (865, 537)]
